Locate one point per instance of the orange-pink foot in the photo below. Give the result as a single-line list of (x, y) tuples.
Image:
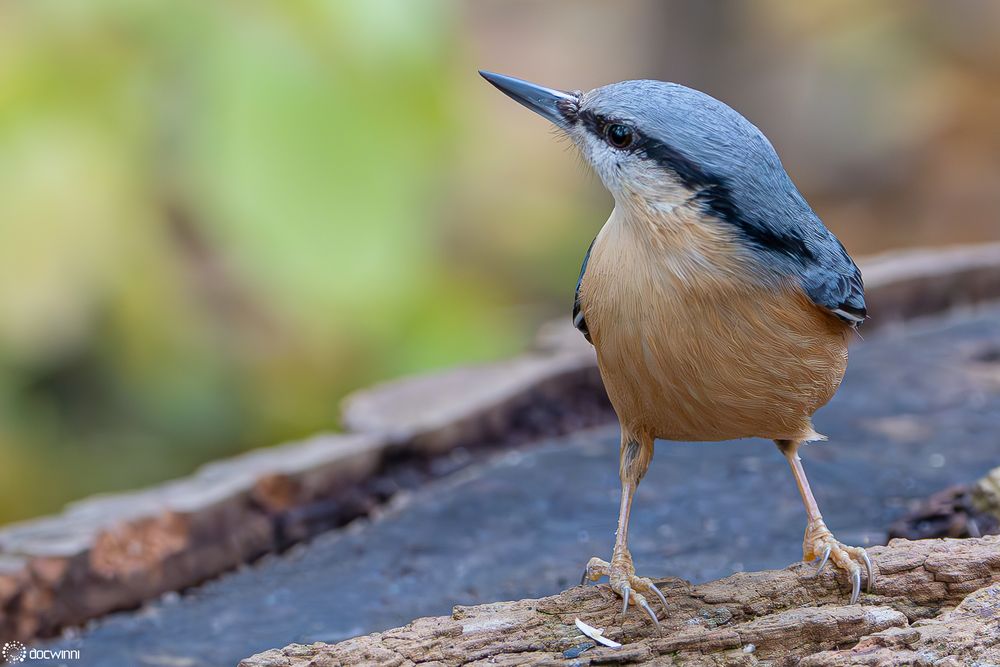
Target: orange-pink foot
[(820, 545), (621, 575)]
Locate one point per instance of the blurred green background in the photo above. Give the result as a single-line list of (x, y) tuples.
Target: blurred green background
[(218, 218)]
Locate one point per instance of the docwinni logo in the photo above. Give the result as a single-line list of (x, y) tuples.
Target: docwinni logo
[(15, 652)]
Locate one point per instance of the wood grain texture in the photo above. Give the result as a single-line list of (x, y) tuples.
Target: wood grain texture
[(777, 617)]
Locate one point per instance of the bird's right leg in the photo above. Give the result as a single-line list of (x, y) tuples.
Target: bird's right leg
[(636, 453), (819, 543)]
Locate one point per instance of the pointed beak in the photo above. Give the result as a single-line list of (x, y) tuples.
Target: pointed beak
[(558, 106)]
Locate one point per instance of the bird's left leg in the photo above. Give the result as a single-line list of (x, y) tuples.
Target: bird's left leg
[(636, 453), (819, 543)]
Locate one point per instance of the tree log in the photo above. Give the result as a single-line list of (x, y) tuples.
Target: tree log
[(774, 617)]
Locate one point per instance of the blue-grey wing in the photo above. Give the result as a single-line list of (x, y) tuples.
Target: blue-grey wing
[(794, 242), (578, 321), (833, 281)]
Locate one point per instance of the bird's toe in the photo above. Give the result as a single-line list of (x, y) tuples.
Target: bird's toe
[(646, 585), (823, 548), (630, 588), (596, 569)]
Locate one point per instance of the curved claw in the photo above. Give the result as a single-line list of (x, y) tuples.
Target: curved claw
[(649, 610), (663, 599), (855, 585), (823, 560), (625, 594), (871, 574), (583, 579)]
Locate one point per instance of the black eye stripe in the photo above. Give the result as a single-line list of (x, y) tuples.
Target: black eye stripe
[(603, 126)]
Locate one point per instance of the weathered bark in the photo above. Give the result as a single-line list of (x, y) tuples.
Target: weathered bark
[(777, 617), (967, 635)]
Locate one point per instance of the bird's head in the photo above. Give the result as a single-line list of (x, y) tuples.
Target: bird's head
[(662, 144), (660, 147)]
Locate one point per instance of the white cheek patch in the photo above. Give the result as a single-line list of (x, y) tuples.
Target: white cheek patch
[(626, 173), (607, 162)]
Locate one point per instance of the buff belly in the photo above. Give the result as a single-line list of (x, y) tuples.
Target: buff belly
[(701, 352)]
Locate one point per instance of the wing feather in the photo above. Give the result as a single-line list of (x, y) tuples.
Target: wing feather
[(833, 281), (578, 320)]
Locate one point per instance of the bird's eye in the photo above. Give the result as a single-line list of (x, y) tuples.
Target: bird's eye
[(619, 136)]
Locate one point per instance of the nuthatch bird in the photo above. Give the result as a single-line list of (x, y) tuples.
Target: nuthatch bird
[(719, 305)]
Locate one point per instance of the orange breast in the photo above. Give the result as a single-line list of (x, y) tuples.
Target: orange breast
[(691, 345)]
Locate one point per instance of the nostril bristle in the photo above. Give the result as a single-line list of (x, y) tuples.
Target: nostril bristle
[(570, 109)]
